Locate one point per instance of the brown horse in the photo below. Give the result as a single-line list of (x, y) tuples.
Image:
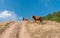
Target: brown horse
[(37, 18), (25, 19)]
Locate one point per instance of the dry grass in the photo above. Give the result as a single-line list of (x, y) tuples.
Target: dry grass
[(48, 30), (4, 25)]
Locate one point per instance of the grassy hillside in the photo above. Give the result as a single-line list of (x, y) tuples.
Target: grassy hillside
[(53, 17), (4, 25), (48, 30)]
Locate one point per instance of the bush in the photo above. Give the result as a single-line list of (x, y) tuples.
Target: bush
[(54, 17)]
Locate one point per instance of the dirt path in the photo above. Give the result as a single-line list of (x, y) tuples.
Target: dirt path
[(9, 32), (16, 30), (23, 31)]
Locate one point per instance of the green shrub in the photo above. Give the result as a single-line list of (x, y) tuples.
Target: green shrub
[(54, 16)]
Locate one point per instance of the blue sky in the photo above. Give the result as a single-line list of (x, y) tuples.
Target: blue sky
[(27, 8)]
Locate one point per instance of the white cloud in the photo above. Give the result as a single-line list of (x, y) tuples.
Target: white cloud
[(7, 15), (20, 17)]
